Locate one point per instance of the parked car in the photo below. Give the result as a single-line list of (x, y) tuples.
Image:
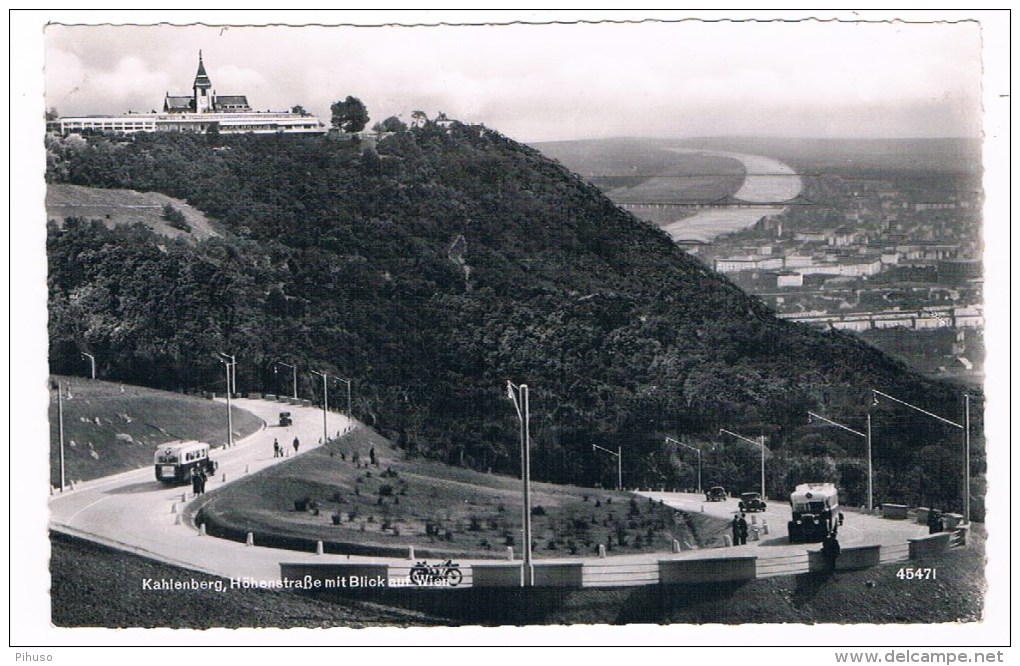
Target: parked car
[(285, 419), (750, 502)]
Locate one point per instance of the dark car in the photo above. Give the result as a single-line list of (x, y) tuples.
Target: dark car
[(285, 419), (750, 502), (715, 494)]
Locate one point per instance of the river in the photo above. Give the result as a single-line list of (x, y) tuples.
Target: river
[(766, 181)]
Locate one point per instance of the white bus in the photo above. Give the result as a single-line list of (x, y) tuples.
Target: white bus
[(815, 510), (176, 462)]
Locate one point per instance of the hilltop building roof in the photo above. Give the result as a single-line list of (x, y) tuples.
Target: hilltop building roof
[(202, 111)]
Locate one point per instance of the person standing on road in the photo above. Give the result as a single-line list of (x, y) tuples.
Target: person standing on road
[(742, 526), (276, 448), (296, 444), (735, 526), (194, 481), (830, 549), (202, 477)]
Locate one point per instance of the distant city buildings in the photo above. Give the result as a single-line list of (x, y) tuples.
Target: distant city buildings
[(203, 111)]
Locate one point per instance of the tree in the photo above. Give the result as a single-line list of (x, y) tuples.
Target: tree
[(300, 110), (419, 118), (350, 115), (391, 124)]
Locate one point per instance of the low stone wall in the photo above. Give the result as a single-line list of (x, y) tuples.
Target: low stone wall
[(922, 515), (894, 511), (566, 574), (496, 575), (952, 520), (850, 558), (561, 574), (926, 546), (712, 570)]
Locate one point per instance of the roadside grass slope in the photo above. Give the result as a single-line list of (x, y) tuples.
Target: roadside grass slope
[(111, 428), (126, 207), (440, 509), (96, 586)]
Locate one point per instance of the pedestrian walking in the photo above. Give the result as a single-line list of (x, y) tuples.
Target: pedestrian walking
[(742, 526), (276, 448), (735, 527), (194, 481), (296, 444), (371, 456), (830, 549), (202, 477), (841, 519)]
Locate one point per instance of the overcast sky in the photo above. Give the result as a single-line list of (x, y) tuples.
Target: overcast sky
[(545, 82)]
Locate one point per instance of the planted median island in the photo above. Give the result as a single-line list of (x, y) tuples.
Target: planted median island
[(338, 495)]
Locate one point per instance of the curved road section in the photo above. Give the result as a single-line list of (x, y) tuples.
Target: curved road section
[(134, 512)]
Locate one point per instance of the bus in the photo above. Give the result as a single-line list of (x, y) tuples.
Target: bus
[(176, 462), (815, 512)]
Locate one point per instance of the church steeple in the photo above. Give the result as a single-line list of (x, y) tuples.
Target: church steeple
[(201, 78), (203, 102)]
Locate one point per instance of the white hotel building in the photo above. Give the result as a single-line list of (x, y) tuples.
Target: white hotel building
[(202, 111)]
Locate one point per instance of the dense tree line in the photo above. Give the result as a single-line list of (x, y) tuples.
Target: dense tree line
[(435, 266)]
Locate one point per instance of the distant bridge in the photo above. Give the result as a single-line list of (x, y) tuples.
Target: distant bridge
[(725, 202)]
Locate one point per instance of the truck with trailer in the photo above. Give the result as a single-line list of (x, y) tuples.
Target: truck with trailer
[(815, 512)]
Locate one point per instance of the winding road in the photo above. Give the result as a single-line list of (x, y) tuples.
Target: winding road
[(133, 512)]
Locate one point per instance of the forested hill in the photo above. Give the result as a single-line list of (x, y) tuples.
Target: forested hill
[(430, 270)]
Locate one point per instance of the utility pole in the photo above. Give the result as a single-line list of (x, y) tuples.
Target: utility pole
[(60, 420), (230, 417), (293, 369), (325, 404), (696, 450), (619, 463), (92, 361), (348, 382), (759, 442), (867, 437), (519, 396), (965, 426)]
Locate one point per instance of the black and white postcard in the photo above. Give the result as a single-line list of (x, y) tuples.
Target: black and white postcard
[(488, 328)]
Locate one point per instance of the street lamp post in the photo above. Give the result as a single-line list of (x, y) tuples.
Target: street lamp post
[(60, 420), (348, 382), (965, 427), (867, 437), (325, 404), (293, 369), (759, 442), (230, 417), (619, 463), (519, 396), (92, 361), (696, 450)]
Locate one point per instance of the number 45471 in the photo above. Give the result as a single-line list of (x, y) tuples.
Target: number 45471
[(906, 573)]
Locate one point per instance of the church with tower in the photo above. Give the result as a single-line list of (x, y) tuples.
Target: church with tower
[(204, 99), (203, 111)]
